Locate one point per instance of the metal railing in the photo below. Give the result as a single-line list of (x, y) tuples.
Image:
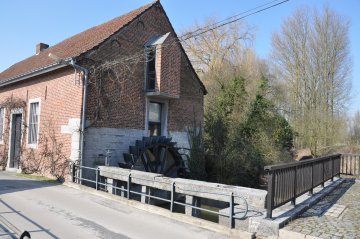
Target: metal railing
[(350, 164), (288, 181), (173, 188)]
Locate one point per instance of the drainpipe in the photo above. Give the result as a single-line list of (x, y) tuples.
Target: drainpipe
[(83, 116), (71, 62)]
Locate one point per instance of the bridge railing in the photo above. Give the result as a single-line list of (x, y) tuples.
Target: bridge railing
[(126, 182), (288, 181), (350, 164)]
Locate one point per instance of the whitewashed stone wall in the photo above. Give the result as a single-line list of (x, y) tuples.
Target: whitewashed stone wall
[(73, 128), (181, 138), (99, 141)]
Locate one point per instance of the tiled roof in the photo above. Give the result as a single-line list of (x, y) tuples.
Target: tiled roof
[(73, 46)]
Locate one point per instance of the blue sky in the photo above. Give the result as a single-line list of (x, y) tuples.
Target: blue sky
[(24, 23)]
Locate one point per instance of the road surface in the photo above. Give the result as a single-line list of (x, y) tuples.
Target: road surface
[(55, 211)]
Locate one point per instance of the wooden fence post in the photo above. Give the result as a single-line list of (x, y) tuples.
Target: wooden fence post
[(293, 201), (332, 168), (323, 173), (270, 194), (312, 179)]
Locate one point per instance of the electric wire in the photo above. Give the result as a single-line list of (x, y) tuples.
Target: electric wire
[(137, 56)]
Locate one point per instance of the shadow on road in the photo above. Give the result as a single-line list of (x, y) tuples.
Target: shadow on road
[(9, 185), (13, 228), (327, 202)]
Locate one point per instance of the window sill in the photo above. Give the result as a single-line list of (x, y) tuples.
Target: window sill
[(156, 94), (150, 90), (31, 146)]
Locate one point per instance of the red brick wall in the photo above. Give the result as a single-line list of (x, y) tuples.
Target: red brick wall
[(189, 108), (170, 67), (116, 99), (60, 100), (122, 98)]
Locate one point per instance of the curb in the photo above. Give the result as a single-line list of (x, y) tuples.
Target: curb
[(266, 227), (284, 234)]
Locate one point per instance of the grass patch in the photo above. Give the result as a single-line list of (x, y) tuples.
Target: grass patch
[(36, 177)]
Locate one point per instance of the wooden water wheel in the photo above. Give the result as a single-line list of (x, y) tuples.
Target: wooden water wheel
[(156, 154)]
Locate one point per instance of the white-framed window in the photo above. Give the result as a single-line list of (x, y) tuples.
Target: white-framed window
[(156, 118), (2, 122), (33, 122)]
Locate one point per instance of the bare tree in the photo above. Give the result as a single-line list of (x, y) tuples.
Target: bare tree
[(311, 53), (355, 130), (219, 54)]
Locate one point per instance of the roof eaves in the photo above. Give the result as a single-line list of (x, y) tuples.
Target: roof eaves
[(36, 72)]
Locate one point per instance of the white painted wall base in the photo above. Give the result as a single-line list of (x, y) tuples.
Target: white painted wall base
[(181, 138), (73, 128), (99, 141), (13, 170)]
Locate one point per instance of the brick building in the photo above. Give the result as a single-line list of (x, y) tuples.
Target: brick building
[(116, 82)]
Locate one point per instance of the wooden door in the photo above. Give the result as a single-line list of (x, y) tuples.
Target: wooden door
[(15, 141)]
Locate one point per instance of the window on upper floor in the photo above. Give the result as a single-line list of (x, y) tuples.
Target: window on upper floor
[(33, 132), (150, 68), (153, 50)]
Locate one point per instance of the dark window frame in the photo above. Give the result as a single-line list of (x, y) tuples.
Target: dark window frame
[(150, 68)]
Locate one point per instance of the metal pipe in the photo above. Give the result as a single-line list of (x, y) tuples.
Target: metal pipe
[(231, 210), (71, 62), (83, 115)]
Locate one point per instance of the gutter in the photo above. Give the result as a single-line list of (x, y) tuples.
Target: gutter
[(71, 62), (33, 73), (60, 63)]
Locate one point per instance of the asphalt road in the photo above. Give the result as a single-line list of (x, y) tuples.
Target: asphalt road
[(55, 211)]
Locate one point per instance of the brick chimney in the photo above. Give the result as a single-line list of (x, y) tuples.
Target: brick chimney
[(40, 47)]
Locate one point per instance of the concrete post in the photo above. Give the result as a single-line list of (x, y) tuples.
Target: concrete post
[(109, 183), (144, 190), (120, 188), (194, 201), (122, 192)]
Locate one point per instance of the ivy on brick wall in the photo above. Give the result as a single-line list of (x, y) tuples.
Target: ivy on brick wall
[(47, 159), (10, 104)]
